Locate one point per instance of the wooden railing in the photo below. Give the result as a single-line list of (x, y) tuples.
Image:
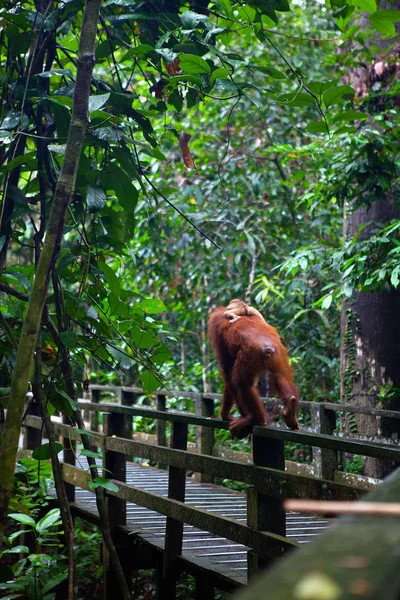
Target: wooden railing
[(270, 484), (323, 418)]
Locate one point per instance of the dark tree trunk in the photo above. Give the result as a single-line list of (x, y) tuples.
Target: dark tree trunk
[(370, 346), (370, 321)]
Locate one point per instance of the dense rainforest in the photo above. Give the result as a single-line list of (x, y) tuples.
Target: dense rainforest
[(158, 159)]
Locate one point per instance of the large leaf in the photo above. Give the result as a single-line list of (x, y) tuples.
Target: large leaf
[(149, 381), (97, 102), (48, 520), (110, 277), (152, 306), (21, 518), (296, 99), (190, 63), (338, 95), (191, 19), (123, 187), (383, 21), (43, 452), (51, 583), (317, 127)]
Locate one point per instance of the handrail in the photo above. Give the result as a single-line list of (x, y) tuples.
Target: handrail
[(376, 412), (390, 452)]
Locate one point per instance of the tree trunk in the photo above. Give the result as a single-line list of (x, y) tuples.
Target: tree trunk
[(51, 247), (370, 334), (370, 324)]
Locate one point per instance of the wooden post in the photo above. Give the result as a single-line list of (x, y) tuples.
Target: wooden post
[(161, 426), (205, 435), (128, 398), (325, 461), (174, 528), (69, 454), (265, 513), (94, 415), (32, 437), (115, 468)]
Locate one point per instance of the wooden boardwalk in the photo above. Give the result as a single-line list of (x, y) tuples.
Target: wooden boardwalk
[(201, 548)]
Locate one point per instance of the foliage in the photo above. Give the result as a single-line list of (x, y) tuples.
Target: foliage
[(37, 536), (223, 154)]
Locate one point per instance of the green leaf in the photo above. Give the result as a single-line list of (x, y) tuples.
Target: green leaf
[(272, 72), (115, 178), (350, 115), (149, 381), (338, 95), (186, 78), (395, 277), (327, 301), (225, 7), (161, 355), (69, 339), (85, 432), (296, 99), (142, 338), (383, 21), (345, 129), (48, 520), (43, 452), (319, 87), (246, 13), (167, 54), (140, 50), (96, 102), (95, 198), (51, 583), (191, 19), (56, 72), (91, 454), (219, 73), (348, 289), (317, 127), (104, 483), (13, 120), (365, 5), (21, 518), (152, 306), (17, 550), (69, 405), (190, 63), (110, 276)]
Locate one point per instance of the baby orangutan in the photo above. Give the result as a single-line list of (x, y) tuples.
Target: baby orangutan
[(246, 348), (238, 308)]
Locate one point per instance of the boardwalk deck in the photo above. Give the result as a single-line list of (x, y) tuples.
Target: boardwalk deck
[(207, 551)]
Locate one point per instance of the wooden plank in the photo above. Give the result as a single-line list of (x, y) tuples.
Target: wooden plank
[(331, 442), (148, 412), (358, 558), (265, 480), (268, 545)]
